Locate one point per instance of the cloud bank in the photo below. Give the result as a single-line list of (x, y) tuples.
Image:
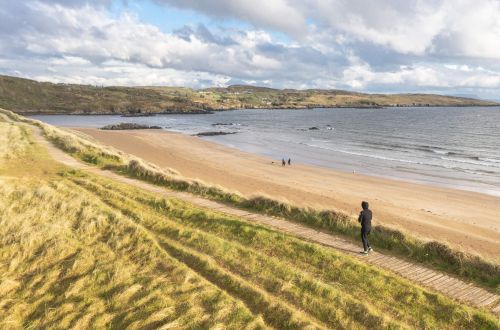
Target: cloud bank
[(450, 47)]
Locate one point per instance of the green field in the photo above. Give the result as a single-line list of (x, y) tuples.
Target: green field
[(81, 251), (28, 96)]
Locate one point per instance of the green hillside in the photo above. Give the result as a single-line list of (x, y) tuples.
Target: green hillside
[(29, 96)]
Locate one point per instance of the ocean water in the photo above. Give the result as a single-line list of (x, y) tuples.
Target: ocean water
[(447, 146)]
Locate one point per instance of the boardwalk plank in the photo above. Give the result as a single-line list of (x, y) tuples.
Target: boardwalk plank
[(416, 274), (455, 286), (426, 275), (435, 280), (497, 309), (481, 296), (491, 300), (410, 273), (463, 290), (469, 293), (443, 283), (402, 267)]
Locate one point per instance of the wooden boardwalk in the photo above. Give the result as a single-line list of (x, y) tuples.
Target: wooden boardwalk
[(443, 283)]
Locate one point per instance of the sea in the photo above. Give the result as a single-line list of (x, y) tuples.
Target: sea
[(457, 147)]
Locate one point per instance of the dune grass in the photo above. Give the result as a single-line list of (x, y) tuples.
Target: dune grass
[(336, 290), (435, 254), (69, 261), (81, 251)]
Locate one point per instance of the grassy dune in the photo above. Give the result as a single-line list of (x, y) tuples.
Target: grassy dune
[(81, 251), (435, 254), (29, 96), (67, 260)]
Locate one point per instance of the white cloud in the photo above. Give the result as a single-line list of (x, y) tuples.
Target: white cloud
[(282, 15), (88, 35), (113, 73), (69, 60), (387, 45), (473, 29), (456, 27), (360, 75)]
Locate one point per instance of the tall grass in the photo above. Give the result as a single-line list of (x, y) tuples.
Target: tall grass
[(69, 261), (13, 142), (436, 254), (336, 290), (20, 156)]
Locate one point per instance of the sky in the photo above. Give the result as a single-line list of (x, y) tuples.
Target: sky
[(379, 46)]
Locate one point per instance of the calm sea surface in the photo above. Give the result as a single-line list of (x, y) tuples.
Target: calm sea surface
[(453, 147)]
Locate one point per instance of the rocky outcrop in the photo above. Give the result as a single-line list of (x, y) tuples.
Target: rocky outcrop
[(214, 133), (126, 126)]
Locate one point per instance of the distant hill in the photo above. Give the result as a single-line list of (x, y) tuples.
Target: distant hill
[(29, 96)]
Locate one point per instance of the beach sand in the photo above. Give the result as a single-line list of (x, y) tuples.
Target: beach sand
[(464, 219)]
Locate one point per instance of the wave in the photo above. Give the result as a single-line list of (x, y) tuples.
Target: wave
[(389, 146), (454, 156), (407, 161), (381, 147), (491, 160), (472, 161), (480, 172), (439, 151), (360, 154), (227, 124), (410, 147)]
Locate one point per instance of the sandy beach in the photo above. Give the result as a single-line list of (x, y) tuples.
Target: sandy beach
[(464, 219)]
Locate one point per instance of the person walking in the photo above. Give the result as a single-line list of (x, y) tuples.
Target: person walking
[(283, 163), (365, 219), (289, 161)]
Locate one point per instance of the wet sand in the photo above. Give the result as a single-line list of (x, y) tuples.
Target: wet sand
[(464, 219)]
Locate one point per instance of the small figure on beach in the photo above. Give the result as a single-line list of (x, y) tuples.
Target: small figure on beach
[(289, 161), (365, 218), (283, 163)]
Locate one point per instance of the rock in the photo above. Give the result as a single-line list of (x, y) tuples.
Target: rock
[(214, 133), (146, 114), (126, 126)]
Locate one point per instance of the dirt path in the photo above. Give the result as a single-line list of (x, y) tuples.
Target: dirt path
[(449, 286)]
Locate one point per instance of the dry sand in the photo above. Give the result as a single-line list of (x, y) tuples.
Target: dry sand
[(464, 219)]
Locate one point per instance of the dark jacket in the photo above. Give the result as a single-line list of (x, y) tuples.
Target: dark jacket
[(365, 217)]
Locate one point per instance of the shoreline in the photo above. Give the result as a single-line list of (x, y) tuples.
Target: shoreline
[(208, 135), (270, 108), (414, 177), (464, 219)]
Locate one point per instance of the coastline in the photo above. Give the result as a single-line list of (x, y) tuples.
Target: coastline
[(463, 219), (267, 107)]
